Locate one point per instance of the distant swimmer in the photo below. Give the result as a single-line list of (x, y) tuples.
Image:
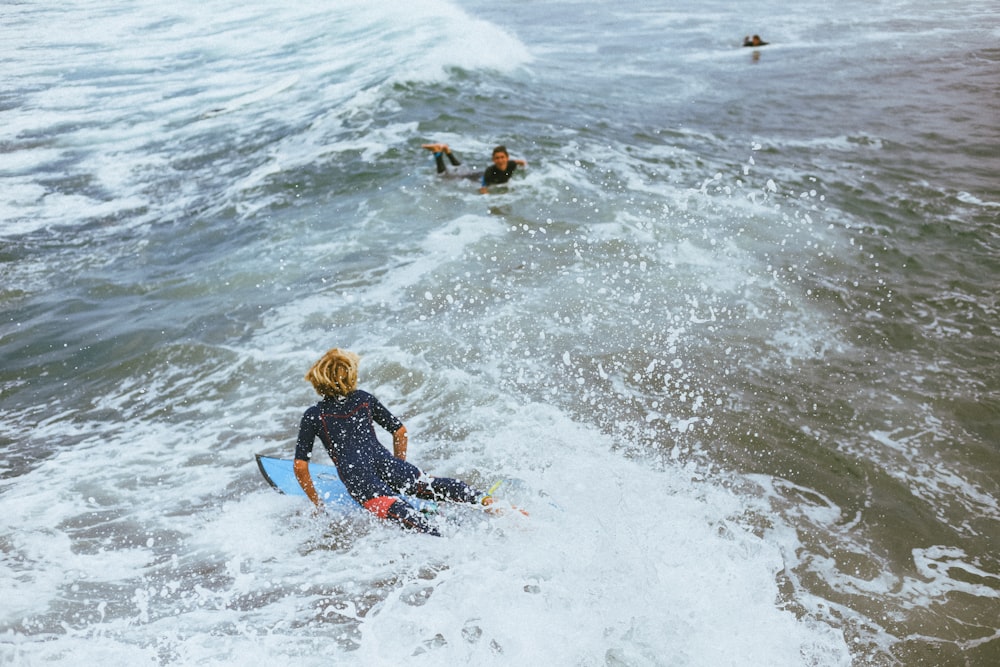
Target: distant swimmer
[(501, 171), (754, 41)]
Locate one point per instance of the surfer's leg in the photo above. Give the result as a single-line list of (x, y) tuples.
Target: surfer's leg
[(409, 479), (365, 484), (439, 161), (446, 488), (400, 512), (440, 150), (400, 475)]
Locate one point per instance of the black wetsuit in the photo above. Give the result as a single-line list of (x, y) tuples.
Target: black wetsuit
[(372, 475), (494, 176)]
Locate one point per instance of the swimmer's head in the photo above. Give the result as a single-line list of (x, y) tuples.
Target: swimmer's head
[(500, 157), (335, 374)]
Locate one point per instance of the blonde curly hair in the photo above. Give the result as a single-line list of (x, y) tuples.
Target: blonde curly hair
[(335, 374)]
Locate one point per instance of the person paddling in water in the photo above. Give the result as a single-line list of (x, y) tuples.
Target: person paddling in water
[(501, 171), (754, 41), (344, 421)]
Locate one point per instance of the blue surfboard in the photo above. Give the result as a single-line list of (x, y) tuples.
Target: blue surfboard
[(280, 474)]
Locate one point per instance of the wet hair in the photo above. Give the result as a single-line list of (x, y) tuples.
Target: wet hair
[(501, 149), (336, 374)]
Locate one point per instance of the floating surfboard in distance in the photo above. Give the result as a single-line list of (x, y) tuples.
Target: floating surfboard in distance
[(253, 96)]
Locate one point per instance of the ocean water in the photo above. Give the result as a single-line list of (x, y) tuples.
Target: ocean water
[(736, 325)]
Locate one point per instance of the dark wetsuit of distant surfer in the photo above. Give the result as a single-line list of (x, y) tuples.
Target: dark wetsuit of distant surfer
[(496, 176), (344, 422), (501, 171)]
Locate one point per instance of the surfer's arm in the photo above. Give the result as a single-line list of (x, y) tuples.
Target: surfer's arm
[(399, 443), (390, 423), (301, 469), (308, 428)]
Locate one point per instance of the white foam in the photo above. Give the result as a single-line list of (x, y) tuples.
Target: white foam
[(159, 78), (633, 564)]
